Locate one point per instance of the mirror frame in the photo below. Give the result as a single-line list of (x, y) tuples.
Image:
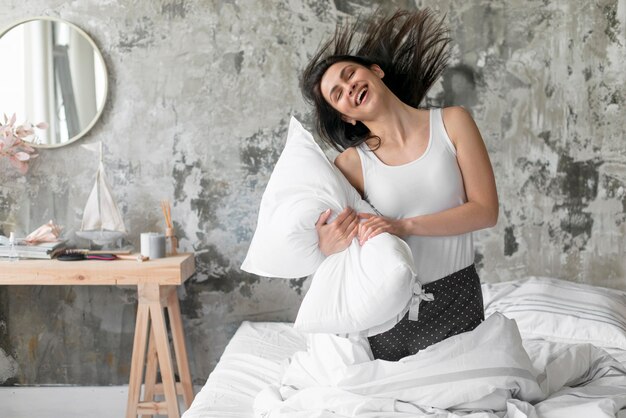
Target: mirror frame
[(97, 53)]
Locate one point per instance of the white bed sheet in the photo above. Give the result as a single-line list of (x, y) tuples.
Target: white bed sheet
[(255, 358)]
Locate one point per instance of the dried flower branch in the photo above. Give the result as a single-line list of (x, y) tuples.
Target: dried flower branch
[(13, 145)]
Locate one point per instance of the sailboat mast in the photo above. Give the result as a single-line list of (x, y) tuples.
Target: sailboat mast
[(98, 179)]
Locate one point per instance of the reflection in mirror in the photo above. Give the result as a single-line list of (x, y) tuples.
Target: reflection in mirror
[(52, 72)]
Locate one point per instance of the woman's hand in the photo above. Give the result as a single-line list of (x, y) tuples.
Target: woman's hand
[(374, 225), (337, 235)]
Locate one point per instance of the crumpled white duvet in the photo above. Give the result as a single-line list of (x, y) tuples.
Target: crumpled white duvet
[(487, 372)]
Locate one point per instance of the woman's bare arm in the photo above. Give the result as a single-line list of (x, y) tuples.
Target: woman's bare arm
[(336, 236)]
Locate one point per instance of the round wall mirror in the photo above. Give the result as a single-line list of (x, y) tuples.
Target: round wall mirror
[(52, 72)]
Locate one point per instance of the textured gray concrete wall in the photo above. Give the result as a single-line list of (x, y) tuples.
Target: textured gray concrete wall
[(199, 100)]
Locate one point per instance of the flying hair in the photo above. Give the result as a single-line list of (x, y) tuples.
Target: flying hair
[(411, 47)]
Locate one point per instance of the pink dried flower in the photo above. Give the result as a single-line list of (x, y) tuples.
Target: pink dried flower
[(12, 144)]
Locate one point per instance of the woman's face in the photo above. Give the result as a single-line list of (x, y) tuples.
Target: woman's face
[(352, 89)]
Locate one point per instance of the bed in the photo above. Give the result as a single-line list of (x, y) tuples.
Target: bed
[(570, 361)]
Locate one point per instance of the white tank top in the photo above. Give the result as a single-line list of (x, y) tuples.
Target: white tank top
[(430, 184)]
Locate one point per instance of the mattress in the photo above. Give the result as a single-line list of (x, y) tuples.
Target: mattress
[(259, 352)]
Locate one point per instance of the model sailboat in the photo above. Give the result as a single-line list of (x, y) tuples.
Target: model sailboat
[(102, 221)]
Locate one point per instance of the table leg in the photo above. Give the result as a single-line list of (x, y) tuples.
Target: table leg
[(165, 358), (151, 372), (151, 321), (137, 362), (176, 324)]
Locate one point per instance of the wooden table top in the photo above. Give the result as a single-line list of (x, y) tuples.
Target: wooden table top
[(172, 270)]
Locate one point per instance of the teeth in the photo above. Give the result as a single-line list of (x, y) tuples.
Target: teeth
[(361, 95)]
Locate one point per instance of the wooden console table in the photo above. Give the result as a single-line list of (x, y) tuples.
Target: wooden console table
[(156, 282)]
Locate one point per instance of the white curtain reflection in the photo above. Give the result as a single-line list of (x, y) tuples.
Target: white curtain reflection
[(39, 79), (64, 89), (82, 68)]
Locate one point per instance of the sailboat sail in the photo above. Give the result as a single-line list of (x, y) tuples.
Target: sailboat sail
[(101, 211)]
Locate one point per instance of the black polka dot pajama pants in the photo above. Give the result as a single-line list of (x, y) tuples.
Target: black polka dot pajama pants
[(457, 308)]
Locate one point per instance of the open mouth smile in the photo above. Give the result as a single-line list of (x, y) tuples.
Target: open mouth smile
[(361, 96)]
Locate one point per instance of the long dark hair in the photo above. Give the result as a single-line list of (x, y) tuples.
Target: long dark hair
[(409, 46)]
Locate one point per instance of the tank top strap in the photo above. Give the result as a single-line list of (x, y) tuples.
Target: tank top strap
[(365, 154), (438, 129)]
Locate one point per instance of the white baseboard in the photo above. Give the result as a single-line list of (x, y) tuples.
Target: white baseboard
[(65, 401)]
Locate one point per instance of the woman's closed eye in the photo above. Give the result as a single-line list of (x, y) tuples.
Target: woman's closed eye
[(338, 96)]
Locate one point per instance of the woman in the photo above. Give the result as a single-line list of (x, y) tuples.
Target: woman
[(426, 172)]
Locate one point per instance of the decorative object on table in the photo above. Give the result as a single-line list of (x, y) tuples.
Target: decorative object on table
[(102, 221), (75, 254), (12, 250), (137, 257), (88, 251), (172, 241), (101, 257), (43, 250), (70, 257), (13, 145), (49, 232), (152, 245), (44, 242)]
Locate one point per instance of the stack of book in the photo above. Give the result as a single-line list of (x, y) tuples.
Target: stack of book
[(45, 250)]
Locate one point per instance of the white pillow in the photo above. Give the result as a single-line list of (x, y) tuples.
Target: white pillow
[(362, 289), (304, 184), (561, 311), (353, 290)]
